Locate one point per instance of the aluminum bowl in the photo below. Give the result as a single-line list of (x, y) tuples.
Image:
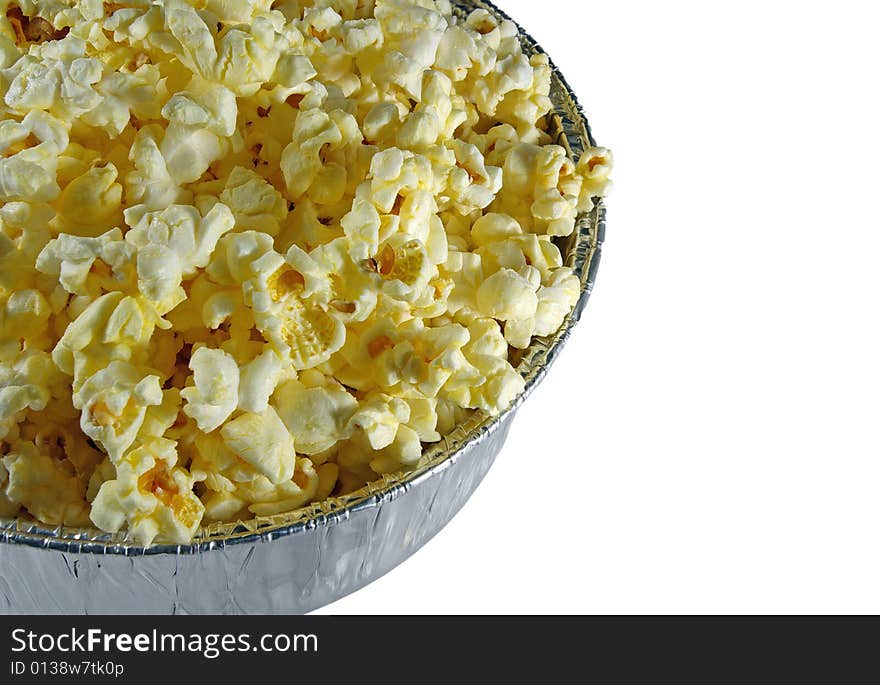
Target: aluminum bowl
[(301, 561)]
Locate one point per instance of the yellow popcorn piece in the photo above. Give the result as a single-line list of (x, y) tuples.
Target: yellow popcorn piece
[(86, 266), (222, 507), (404, 266), (305, 162), (258, 380), (256, 254), (402, 454), (172, 245), (526, 107), (240, 59), (150, 182), (201, 121), (494, 228), (501, 386), (8, 506), (394, 174), (255, 204), (522, 252), (471, 184), (162, 417), (420, 359), (232, 261), (25, 384), (114, 403), (125, 94), (362, 226), (268, 498), (29, 158), (507, 295), (317, 418), (354, 284), (262, 441), (423, 418), (534, 189), (595, 166), (48, 489), (111, 327), (214, 396), (25, 315), (556, 300), (151, 495), (91, 203), (465, 270), (55, 76), (306, 333), (217, 466), (378, 418)]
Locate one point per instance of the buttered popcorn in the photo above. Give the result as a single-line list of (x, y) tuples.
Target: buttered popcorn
[(255, 254)]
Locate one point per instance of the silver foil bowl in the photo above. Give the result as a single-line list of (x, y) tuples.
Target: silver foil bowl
[(304, 560)]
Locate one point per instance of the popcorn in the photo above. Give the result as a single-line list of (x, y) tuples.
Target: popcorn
[(404, 265), (50, 492), (317, 418), (8, 507), (315, 134), (232, 262), (25, 384), (91, 204), (493, 228), (241, 60), (521, 252), (354, 283), (202, 122), (534, 189), (255, 204), (88, 266), (306, 333), (395, 172), (378, 419), (114, 403), (56, 77), (472, 185), (465, 270), (110, 328), (595, 166), (526, 107), (262, 440), (151, 494), (214, 396), (269, 499), (26, 313), (29, 160), (423, 418), (555, 301), (172, 245), (253, 255), (507, 295), (501, 386), (126, 94), (150, 181), (257, 381)]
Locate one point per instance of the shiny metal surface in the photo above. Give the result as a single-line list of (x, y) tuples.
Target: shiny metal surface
[(300, 561)]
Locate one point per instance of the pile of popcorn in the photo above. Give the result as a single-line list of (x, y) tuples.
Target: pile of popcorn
[(255, 254)]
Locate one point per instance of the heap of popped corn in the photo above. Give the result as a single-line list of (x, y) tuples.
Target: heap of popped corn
[(253, 254)]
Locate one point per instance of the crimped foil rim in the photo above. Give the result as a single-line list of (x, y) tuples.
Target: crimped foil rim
[(584, 258)]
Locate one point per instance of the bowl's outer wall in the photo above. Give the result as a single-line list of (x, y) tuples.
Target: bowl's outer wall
[(299, 567), (288, 575)]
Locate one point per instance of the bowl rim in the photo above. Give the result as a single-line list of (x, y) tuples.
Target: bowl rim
[(589, 240)]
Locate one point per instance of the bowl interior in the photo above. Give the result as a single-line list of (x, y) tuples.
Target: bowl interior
[(581, 251)]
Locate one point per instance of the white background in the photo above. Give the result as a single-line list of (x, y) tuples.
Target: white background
[(708, 442)]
